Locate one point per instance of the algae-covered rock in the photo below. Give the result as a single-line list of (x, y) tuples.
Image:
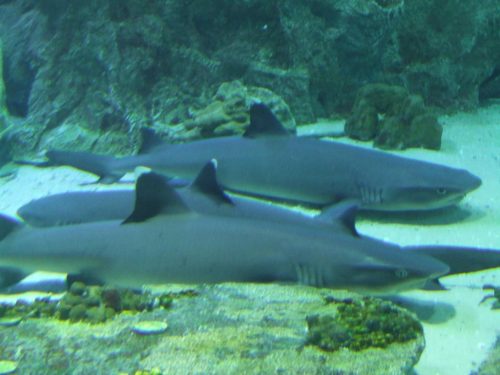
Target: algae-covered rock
[(359, 325), (221, 329), (7, 367), (393, 118), (92, 304), (228, 113)]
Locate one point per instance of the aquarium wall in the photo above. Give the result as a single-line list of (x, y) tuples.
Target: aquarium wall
[(97, 71)]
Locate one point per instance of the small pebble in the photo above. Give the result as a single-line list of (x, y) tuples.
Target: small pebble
[(7, 367), (149, 327), (10, 321)]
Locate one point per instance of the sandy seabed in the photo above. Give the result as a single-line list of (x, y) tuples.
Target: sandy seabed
[(459, 331)]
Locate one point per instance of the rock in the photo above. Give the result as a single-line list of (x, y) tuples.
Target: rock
[(227, 328), (228, 113), (363, 124), (143, 65), (10, 321), (393, 118), (149, 327), (7, 367)]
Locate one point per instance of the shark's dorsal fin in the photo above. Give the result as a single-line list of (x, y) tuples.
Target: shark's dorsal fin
[(263, 123), (154, 196), (206, 183), (150, 141), (343, 213)]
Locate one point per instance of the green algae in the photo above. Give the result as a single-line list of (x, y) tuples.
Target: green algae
[(91, 304), (363, 324)]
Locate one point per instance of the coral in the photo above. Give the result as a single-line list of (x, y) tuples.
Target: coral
[(393, 118), (91, 304), (360, 325), (227, 113)]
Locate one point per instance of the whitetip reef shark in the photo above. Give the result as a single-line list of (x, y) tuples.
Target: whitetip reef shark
[(206, 196), (164, 241), (269, 162)]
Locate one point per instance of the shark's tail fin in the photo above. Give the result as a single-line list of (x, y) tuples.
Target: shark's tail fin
[(7, 225), (10, 276), (99, 165)]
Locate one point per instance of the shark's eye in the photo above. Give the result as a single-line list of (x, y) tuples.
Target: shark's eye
[(401, 273), (441, 191)]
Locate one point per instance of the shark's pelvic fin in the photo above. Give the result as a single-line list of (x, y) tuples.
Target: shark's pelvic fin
[(263, 123), (206, 183), (153, 196), (344, 213)]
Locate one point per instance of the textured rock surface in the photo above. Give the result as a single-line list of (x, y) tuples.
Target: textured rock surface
[(228, 113), (393, 118), (108, 67), (230, 329)]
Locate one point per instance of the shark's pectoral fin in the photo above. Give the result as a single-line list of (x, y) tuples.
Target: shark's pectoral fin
[(264, 123), (343, 213), (206, 182), (434, 285), (153, 196)]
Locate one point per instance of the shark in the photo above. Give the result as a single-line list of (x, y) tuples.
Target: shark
[(269, 162), (205, 195), (163, 240)]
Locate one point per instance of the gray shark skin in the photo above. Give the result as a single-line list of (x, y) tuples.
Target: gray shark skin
[(207, 197), (270, 163), (204, 195), (164, 241)]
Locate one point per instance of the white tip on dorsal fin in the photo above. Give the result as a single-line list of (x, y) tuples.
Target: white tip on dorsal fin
[(206, 183)]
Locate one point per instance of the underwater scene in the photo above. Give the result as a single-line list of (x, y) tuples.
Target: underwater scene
[(250, 187)]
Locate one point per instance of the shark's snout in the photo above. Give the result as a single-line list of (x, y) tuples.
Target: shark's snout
[(471, 182)]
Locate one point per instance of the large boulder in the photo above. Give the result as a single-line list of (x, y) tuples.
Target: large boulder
[(230, 329)]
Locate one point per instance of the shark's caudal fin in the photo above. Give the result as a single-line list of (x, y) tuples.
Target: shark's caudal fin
[(9, 275), (154, 196), (150, 141), (86, 161), (8, 225), (460, 259), (206, 183), (263, 123), (343, 213)]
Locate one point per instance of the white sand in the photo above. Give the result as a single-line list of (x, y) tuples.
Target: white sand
[(472, 141)]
